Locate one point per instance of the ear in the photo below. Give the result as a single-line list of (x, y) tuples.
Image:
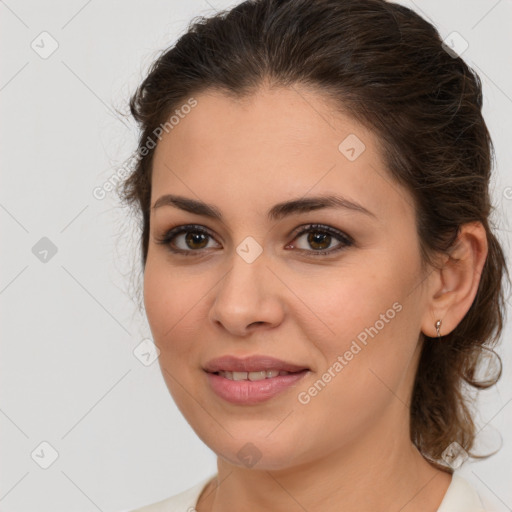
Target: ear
[(453, 287)]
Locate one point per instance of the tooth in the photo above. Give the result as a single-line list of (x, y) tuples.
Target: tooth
[(252, 376), (257, 375)]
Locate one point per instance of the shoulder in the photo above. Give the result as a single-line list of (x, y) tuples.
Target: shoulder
[(461, 496), (185, 501)]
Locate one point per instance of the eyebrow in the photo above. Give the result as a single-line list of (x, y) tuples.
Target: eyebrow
[(277, 212)]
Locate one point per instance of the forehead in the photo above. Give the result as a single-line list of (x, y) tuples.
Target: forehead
[(263, 120), (270, 146)]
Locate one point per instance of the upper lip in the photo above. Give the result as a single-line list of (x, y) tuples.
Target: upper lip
[(254, 363)]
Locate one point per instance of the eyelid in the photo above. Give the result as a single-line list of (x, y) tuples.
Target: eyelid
[(304, 228), (345, 239), (168, 235)]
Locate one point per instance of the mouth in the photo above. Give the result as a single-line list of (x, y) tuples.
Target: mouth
[(252, 380), (254, 376)]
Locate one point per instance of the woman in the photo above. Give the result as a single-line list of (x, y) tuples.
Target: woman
[(320, 274)]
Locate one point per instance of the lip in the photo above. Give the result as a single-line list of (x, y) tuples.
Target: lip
[(246, 392), (254, 363)]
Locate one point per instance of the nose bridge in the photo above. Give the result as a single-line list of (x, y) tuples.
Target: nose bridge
[(246, 278), (245, 295)]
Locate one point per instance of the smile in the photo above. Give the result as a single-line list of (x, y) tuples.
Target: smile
[(252, 376)]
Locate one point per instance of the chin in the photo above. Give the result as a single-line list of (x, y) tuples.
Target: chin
[(256, 452)]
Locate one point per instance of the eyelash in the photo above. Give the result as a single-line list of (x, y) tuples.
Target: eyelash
[(167, 238)]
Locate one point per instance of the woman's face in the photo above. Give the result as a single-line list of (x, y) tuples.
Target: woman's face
[(343, 301)]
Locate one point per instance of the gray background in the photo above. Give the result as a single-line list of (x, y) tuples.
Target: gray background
[(70, 324)]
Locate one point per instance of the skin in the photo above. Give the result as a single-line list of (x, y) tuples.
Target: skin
[(350, 444)]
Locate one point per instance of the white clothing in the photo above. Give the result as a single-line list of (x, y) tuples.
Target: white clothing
[(459, 497)]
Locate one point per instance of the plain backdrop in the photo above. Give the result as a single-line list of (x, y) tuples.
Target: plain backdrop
[(69, 377)]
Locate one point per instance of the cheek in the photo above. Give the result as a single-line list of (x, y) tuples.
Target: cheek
[(364, 362), (159, 299), (366, 316), (172, 305), (171, 302), (343, 303)]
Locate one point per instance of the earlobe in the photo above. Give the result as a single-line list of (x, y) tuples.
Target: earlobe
[(457, 281)]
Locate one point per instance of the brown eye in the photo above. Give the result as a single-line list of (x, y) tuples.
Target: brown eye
[(186, 239), (319, 239), (191, 240), (196, 240)]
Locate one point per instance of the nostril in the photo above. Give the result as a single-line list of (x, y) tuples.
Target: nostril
[(256, 323)]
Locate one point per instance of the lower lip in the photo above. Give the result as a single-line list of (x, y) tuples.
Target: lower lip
[(246, 392)]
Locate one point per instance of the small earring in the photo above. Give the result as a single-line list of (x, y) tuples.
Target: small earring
[(438, 327)]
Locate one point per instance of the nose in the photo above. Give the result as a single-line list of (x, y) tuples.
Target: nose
[(247, 298)]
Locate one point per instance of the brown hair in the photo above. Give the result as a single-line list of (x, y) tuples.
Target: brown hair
[(387, 67)]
